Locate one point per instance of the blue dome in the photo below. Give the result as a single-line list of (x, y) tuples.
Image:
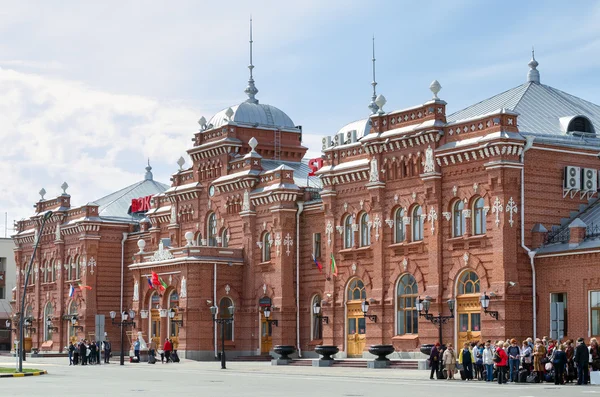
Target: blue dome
[(253, 114)]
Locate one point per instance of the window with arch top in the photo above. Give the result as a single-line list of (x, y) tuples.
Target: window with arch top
[(408, 316), (266, 254), (211, 230), (224, 239), (224, 313), (317, 329), (458, 219), (45, 271), (479, 226), (78, 267), (348, 233), (356, 290), (365, 231), (468, 283), (417, 223), (399, 225), (48, 311)]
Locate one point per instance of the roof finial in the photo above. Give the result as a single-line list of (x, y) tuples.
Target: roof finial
[(148, 175), (251, 90), (533, 76), (373, 106)]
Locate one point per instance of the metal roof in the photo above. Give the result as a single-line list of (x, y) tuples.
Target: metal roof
[(362, 128), (254, 114), (301, 171), (540, 108), (116, 205)]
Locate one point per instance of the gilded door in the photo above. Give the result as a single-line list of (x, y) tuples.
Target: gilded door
[(356, 330), (155, 327), (266, 341), (468, 320)]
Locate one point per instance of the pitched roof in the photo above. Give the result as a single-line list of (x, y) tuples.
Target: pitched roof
[(540, 108)]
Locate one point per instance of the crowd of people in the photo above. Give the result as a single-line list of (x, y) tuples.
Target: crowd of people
[(87, 352), (542, 360)]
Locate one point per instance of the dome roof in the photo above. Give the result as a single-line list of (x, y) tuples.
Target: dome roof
[(253, 114)]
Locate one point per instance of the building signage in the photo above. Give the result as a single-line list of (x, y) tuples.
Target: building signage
[(141, 204), (264, 301), (315, 165)]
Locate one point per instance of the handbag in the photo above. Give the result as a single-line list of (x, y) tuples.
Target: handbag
[(459, 367), (544, 360)]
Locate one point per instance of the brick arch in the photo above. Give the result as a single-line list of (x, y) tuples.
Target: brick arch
[(459, 265), (234, 294), (260, 293), (346, 277), (413, 269)]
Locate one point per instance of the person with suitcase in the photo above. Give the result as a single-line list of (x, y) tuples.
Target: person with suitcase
[(174, 356), (449, 361)]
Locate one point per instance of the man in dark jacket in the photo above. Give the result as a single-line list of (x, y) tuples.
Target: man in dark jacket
[(582, 362), (434, 359), (559, 362), (83, 352)]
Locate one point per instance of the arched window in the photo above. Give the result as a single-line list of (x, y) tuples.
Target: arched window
[(174, 304), (581, 125), (417, 224), (28, 315), (478, 217), (458, 219), (317, 329), (72, 312), (211, 230), (408, 317), (224, 312), (68, 269), (266, 254), (44, 270), (348, 232), (32, 275), (53, 269), (199, 239), (356, 290), (468, 283), (365, 231), (48, 311), (77, 267), (224, 238), (399, 225)]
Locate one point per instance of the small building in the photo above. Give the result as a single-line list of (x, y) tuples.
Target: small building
[(7, 285)]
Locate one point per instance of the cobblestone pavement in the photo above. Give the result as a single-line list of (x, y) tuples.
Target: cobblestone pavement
[(252, 379)]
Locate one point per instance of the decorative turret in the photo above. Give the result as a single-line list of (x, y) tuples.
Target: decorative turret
[(533, 75)]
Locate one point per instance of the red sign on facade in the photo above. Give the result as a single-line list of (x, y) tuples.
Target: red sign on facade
[(141, 204), (315, 165)]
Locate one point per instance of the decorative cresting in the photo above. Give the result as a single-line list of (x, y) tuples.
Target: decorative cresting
[(411, 267), (467, 261), (511, 208), (161, 254)]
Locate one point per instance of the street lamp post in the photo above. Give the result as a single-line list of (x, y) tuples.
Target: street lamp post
[(123, 323), (317, 313), (267, 313), (222, 321), (485, 303), (45, 217), (439, 320), (365, 308)]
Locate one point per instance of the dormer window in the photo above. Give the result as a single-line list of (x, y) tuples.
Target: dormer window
[(577, 125)]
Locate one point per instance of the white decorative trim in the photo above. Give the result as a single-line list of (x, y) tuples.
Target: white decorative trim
[(377, 226), (390, 222), (428, 164), (227, 289), (277, 243), (511, 208), (329, 232), (259, 244), (288, 242), (466, 258), (497, 209), (454, 190), (161, 254), (447, 215), (432, 217), (467, 214), (405, 263), (340, 229)]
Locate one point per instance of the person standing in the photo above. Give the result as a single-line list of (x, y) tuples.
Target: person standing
[(76, 354), (559, 362), (136, 350), (488, 362), (501, 360), (71, 350), (582, 362), (83, 352), (107, 349), (168, 347), (526, 356), (514, 357), (539, 352), (570, 352), (434, 361), (467, 359), (449, 361), (93, 353)]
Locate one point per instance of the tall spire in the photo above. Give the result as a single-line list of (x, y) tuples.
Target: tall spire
[(373, 106), (251, 90), (533, 75), (148, 175)]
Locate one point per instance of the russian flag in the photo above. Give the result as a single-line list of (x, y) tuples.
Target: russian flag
[(319, 266), (71, 291)]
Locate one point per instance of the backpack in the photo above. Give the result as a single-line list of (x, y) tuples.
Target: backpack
[(496, 358)]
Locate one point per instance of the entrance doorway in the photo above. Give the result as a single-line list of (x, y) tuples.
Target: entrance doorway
[(155, 319), (266, 330), (356, 327), (468, 308)]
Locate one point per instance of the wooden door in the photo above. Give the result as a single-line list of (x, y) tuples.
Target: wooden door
[(266, 341), (468, 320), (356, 331), (155, 328)]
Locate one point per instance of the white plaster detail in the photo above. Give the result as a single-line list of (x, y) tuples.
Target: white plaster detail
[(259, 244), (374, 171), (396, 198), (354, 268), (454, 190), (467, 214), (390, 223), (414, 196), (161, 253), (475, 187), (227, 289), (362, 204), (246, 202), (92, 264), (429, 165), (277, 243), (57, 232), (183, 289), (340, 229), (466, 258), (511, 208), (447, 215), (405, 264), (432, 217), (136, 291), (377, 226), (329, 232), (497, 209), (265, 289), (288, 242)]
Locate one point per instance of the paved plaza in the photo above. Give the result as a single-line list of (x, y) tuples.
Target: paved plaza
[(252, 379)]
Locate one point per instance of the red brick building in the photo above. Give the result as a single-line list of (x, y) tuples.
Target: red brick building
[(409, 203)]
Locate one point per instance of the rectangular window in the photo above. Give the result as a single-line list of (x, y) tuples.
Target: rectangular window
[(595, 312), (351, 326), (2, 293), (317, 245), (558, 315)]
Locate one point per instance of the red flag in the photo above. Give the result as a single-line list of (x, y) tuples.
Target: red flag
[(319, 266), (155, 281)]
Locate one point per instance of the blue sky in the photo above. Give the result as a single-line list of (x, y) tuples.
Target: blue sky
[(89, 91)]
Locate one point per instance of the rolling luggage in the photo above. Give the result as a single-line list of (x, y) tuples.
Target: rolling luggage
[(523, 374), (151, 359), (441, 374), (463, 374), (174, 357), (533, 378)]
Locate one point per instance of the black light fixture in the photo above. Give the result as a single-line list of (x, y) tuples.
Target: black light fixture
[(122, 324), (317, 313), (422, 306), (267, 313), (214, 310), (172, 314), (365, 308), (485, 303)]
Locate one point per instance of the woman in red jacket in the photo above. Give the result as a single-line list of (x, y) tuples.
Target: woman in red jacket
[(167, 348), (501, 360)]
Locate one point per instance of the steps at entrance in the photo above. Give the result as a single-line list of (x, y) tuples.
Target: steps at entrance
[(262, 358), (394, 364), (350, 363), (301, 363)]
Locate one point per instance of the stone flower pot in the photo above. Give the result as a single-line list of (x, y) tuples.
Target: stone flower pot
[(284, 351), (326, 351), (381, 351), (426, 349)]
